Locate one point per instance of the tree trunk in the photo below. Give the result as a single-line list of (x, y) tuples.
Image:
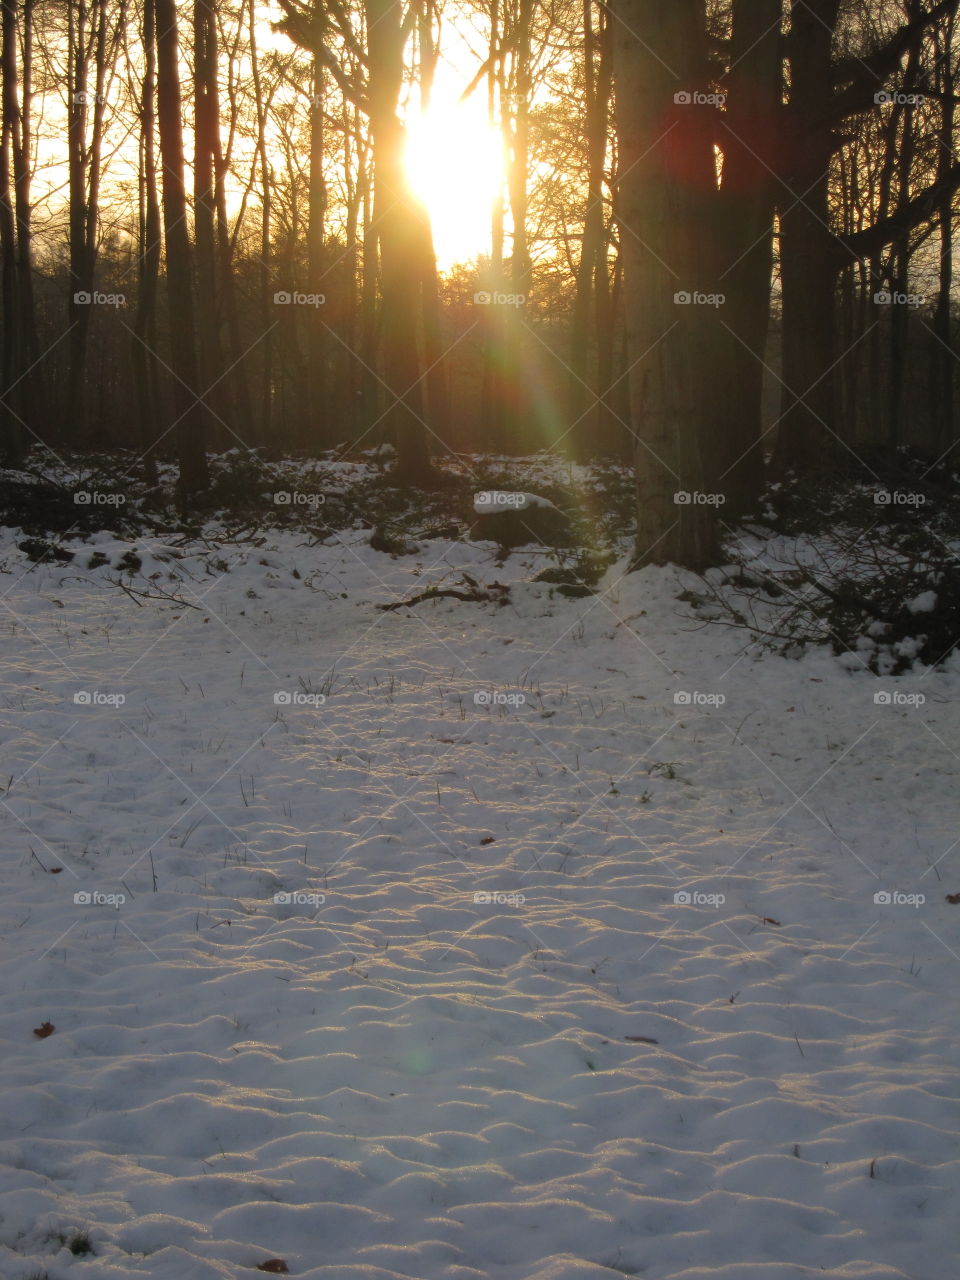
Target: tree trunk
[(33, 398), (87, 40), (142, 347), (191, 421), (264, 431), (206, 145), (943, 427), (749, 142), (81, 265), (808, 261), (12, 442), (317, 212), (401, 224), (593, 287), (666, 190)]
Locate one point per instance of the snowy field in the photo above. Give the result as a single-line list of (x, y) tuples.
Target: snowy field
[(350, 967)]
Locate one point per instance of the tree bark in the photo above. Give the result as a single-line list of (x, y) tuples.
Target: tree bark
[(592, 298), (142, 347), (749, 141), (191, 417), (12, 441), (808, 267), (206, 146), (666, 190), (401, 226)]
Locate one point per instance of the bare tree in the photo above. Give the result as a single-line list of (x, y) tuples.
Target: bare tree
[(665, 189), (144, 335), (190, 423)]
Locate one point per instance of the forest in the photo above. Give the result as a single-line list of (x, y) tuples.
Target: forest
[(711, 241)]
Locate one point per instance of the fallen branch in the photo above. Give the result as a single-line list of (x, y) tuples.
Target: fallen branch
[(496, 592), (158, 594)]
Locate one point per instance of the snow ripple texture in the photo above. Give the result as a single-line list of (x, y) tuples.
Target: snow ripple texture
[(390, 981)]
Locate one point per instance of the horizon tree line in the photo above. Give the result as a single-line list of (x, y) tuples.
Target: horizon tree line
[(729, 224)]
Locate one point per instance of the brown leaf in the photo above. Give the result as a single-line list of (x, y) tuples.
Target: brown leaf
[(45, 1029), (55, 871), (953, 898), (276, 1265), (642, 1039), (487, 840), (770, 920)]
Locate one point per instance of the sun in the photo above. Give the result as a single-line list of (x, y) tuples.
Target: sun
[(455, 165)]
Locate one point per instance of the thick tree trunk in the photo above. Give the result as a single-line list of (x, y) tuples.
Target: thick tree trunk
[(12, 441), (749, 142), (666, 194), (807, 249), (191, 416), (401, 227)]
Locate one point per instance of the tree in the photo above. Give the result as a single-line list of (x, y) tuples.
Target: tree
[(593, 293), (11, 434), (191, 417), (665, 190), (94, 37), (748, 137), (144, 335)]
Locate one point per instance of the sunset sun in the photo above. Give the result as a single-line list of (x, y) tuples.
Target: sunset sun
[(455, 163)]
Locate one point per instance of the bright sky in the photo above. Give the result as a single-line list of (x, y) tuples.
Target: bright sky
[(456, 165)]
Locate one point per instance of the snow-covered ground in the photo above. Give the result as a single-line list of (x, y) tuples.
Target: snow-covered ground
[(538, 942)]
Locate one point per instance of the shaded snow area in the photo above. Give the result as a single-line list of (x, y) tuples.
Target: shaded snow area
[(561, 940)]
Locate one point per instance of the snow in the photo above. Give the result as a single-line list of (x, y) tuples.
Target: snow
[(925, 602), (489, 501), (332, 1021)]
